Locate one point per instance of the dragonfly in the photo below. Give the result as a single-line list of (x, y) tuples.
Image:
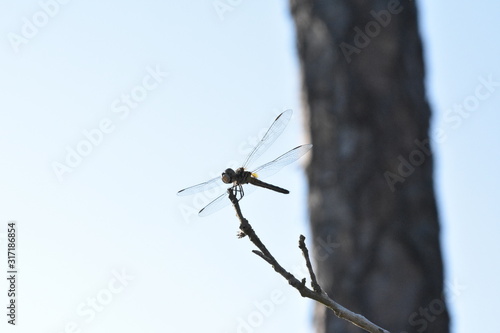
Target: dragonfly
[(241, 176)]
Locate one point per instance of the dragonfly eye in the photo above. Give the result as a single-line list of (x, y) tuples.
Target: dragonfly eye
[(227, 176)]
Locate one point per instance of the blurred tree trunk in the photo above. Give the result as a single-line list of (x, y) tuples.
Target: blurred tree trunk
[(372, 207)]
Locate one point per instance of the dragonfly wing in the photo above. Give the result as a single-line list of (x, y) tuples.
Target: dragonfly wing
[(277, 127), (217, 181), (276, 165), (218, 203)]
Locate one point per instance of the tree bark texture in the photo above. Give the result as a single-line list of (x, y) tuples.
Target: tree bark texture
[(371, 199)]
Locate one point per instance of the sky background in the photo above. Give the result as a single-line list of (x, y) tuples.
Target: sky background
[(105, 245)]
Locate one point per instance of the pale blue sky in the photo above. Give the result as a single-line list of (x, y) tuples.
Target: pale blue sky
[(202, 89)]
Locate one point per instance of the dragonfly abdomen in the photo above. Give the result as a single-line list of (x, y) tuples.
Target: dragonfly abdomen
[(258, 182)]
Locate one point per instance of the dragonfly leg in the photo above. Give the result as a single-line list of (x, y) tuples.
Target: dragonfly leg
[(238, 189)]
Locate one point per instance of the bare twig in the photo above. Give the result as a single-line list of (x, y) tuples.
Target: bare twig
[(314, 283), (316, 293)]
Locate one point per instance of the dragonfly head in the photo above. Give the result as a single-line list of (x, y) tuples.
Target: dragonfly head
[(228, 176)]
